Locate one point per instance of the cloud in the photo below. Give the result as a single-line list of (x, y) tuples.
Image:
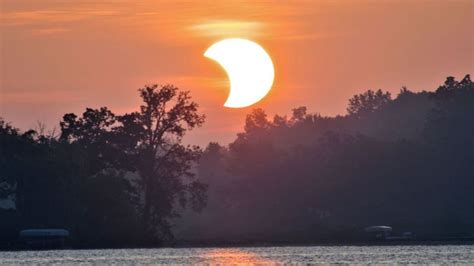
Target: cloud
[(52, 21), (223, 28), (35, 17), (172, 20), (48, 31)]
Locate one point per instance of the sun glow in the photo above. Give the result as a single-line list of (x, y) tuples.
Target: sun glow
[(249, 67)]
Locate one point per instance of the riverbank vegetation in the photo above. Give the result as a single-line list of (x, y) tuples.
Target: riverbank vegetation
[(127, 180)]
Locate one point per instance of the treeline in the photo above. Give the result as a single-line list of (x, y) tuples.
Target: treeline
[(406, 161), (124, 180), (112, 180)]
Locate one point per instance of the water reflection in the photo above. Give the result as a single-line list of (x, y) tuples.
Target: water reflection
[(439, 254), (234, 256)]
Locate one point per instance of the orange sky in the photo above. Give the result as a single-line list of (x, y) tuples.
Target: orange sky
[(63, 56)]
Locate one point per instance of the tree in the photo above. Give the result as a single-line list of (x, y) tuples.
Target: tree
[(299, 114), (93, 132), (363, 104), (10, 141), (154, 142), (149, 143), (256, 121), (325, 178), (454, 109), (18, 152)]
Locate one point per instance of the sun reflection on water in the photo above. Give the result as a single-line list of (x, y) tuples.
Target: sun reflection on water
[(234, 257)]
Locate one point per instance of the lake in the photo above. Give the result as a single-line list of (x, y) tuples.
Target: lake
[(441, 254)]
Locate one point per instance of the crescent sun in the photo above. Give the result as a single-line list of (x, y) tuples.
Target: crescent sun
[(249, 68)]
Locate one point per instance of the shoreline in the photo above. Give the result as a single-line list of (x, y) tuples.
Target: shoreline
[(458, 242)]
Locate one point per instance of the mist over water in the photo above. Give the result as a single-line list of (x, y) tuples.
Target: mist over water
[(445, 254)]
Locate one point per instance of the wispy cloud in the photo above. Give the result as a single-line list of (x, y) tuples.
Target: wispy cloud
[(226, 28), (52, 16), (172, 19), (51, 21), (48, 31)]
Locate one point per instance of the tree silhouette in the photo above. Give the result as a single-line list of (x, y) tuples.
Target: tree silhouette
[(117, 180), (405, 162), (149, 143), (363, 104), (155, 143), (93, 132)]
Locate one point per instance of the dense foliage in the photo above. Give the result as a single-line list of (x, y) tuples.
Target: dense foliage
[(407, 162), (122, 180), (111, 180)]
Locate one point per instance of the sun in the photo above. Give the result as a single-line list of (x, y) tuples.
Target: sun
[(249, 68)]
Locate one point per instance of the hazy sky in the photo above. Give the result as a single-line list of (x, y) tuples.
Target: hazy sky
[(63, 56)]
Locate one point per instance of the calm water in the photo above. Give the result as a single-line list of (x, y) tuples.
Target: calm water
[(264, 255)]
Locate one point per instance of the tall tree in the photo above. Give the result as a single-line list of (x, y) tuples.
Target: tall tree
[(154, 142), (149, 143)]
